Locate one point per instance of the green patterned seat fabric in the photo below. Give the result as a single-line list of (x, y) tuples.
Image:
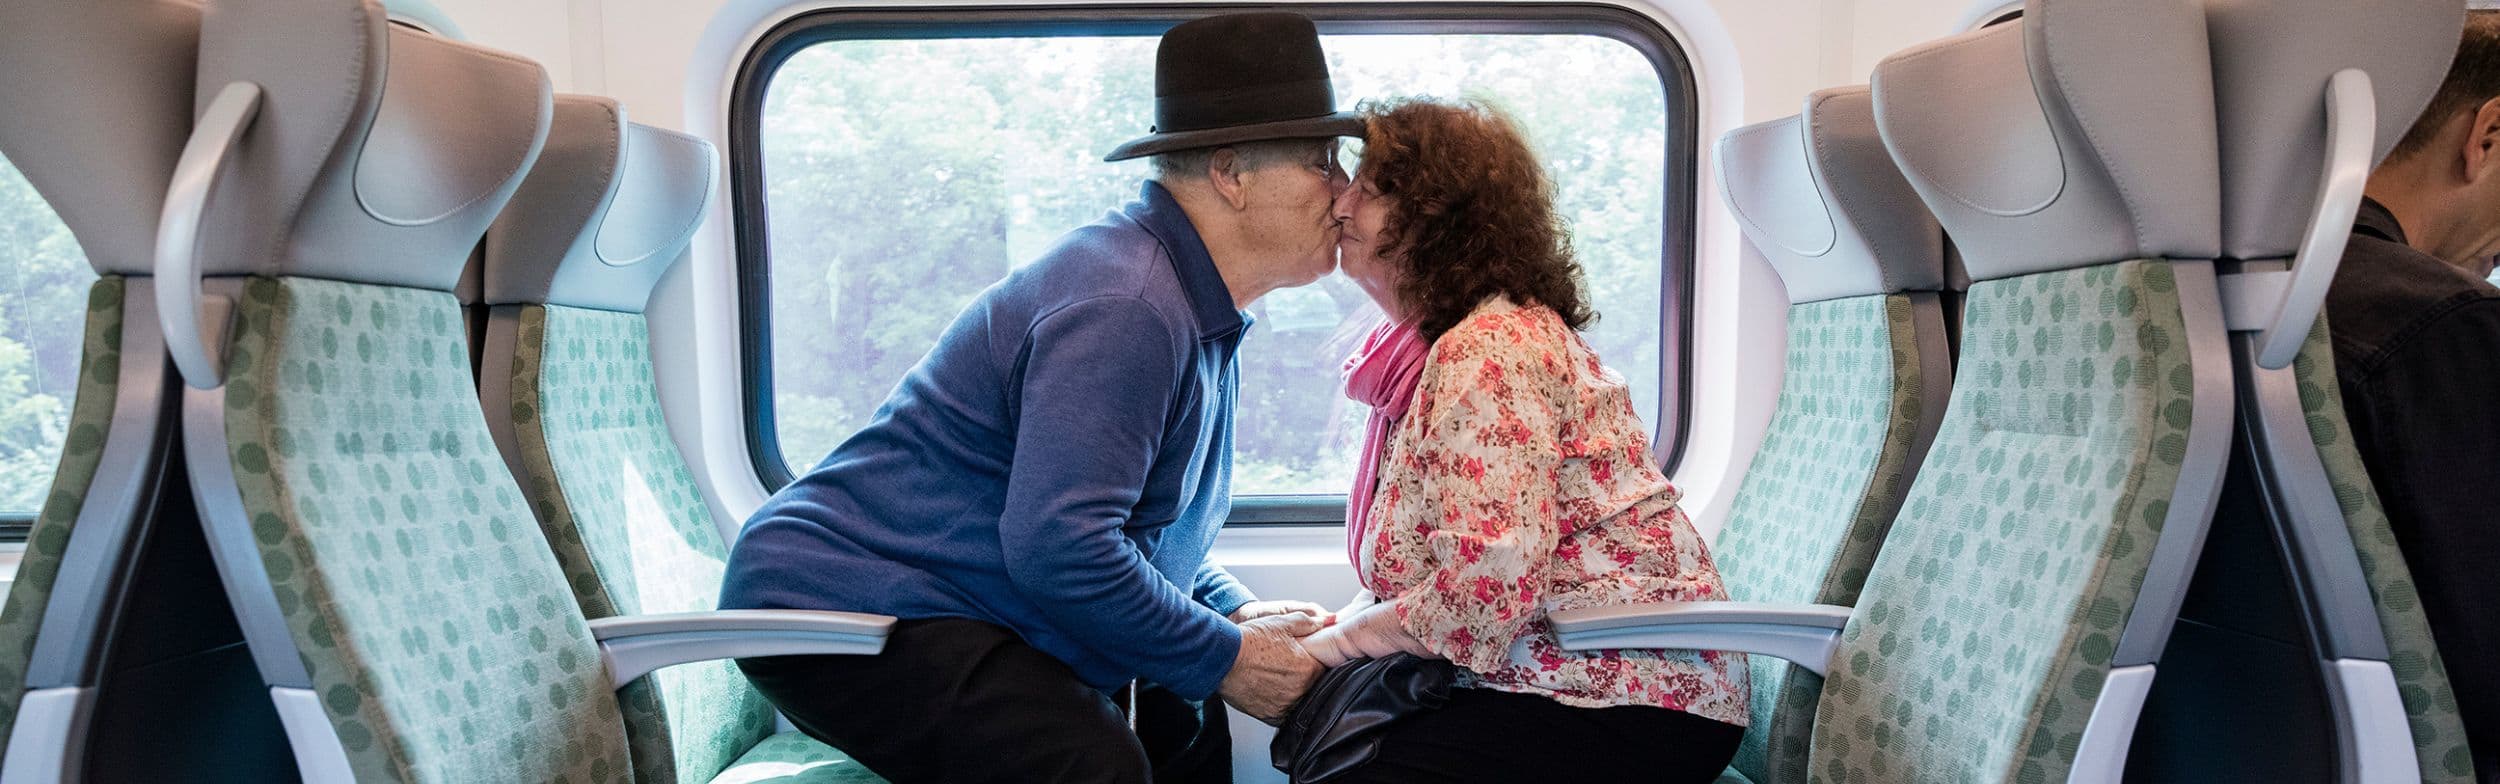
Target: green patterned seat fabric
[(90, 417), (1985, 632), (1819, 496), (794, 758), (629, 525), (2430, 707), (379, 504)]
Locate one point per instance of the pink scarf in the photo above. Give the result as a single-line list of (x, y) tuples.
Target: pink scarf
[(1381, 374)]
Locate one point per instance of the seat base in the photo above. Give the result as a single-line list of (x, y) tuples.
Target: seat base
[(794, 758)]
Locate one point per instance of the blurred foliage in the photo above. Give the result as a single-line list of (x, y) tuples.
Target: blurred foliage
[(905, 176), (43, 307)]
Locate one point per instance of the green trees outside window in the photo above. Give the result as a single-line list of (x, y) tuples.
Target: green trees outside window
[(902, 177), (43, 308)]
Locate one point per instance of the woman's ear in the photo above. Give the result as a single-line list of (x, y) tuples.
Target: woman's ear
[(1225, 171)]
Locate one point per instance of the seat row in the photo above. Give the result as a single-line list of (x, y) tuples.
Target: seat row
[(1986, 583), (395, 571)]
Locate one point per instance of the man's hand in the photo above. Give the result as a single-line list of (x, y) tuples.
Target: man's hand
[(1272, 671), (1369, 634), (1256, 610)]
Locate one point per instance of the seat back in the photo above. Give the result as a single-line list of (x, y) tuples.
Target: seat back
[(2304, 577), (2009, 627), (1867, 373), (99, 98), (397, 598), (572, 398)]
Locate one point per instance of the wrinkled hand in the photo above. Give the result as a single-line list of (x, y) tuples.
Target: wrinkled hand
[(1370, 634), (1272, 670), (1256, 610)]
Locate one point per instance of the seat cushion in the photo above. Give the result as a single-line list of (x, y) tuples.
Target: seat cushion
[(794, 758), (1733, 776), (1820, 494), (627, 522), (99, 369), (2421, 680), (1987, 626), (433, 621)]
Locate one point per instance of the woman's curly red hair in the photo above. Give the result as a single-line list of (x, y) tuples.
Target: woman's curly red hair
[(1471, 210)]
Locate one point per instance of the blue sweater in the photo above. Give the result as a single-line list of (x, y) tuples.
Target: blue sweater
[(1057, 465)]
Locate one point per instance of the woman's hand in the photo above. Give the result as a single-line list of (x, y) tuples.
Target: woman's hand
[(1257, 610), (1370, 634)]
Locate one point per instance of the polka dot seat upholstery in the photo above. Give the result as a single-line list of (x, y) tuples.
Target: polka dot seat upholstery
[(569, 384), (394, 591), (99, 156), (2367, 634), (1867, 371), (2010, 623), (2013, 620)]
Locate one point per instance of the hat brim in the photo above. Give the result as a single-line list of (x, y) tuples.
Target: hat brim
[(1339, 124)]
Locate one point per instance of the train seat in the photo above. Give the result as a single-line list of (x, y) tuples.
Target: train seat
[(2012, 620), (1867, 372), (2299, 526), (572, 399), (99, 100), (410, 621)]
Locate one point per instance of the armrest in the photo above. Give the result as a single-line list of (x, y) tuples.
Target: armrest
[(634, 645), (1805, 634)]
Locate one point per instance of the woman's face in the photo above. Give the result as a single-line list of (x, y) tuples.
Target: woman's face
[(1361, 211)]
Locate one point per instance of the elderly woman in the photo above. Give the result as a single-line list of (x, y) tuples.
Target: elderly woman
[(1506, 476)]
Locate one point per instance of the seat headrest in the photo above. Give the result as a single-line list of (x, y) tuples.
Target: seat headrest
[(2271, 61), (2079, 135), (97, 97), (1817, 194), (605, 212), (380, 152), (425, 16)]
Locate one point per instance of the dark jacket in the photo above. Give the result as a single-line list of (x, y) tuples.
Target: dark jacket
[(1058, 465), (2417, 353)]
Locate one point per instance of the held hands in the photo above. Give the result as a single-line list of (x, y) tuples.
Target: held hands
[(1368, 633), (1272, 670), (1257, 610)]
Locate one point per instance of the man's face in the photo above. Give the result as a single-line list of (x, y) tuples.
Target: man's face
[(1289, 213)]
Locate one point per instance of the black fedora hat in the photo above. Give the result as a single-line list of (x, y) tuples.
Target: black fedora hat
[(1240, 78)]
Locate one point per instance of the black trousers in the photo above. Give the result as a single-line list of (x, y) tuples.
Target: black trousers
[(1484, 735), (953, 700)]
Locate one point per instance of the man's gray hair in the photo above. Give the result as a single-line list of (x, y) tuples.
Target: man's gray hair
[(1191, 164)]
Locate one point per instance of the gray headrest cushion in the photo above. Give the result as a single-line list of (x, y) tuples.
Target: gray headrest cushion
[(380, 153), (95, 104), (2272, 59), (2080, 135), (609, 207), (1821, 198)]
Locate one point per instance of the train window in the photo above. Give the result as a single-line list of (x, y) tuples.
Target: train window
[(890, 168), (43, 286)]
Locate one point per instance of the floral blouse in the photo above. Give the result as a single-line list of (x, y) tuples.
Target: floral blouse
[(1520, 483)]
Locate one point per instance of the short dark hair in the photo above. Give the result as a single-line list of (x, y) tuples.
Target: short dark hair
[(2474, 77)]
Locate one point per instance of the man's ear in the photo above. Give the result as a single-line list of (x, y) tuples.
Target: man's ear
[(1225, 171), (2482, 142)]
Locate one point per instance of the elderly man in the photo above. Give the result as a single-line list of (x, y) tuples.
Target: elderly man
[(1037, 499), (2417, 355)]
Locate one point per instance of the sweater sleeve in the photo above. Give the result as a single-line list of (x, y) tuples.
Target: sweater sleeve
[(1098, 386), (1219, 591), (1488, 458)]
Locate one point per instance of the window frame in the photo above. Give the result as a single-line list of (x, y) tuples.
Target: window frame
[(762, 61)]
